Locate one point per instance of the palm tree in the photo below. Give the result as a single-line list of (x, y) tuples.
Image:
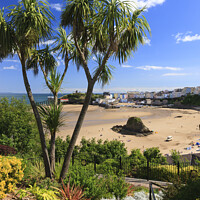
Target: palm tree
[(47, 62), (52, 119), (109, 27), (28, 23)]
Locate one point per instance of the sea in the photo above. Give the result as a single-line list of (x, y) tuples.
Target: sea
[(38, 97)]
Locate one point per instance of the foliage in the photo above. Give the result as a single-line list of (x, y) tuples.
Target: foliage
[(79, 97), (97, 187), (109, 166), (61, 147), (17, 126), (137, 158), (11, 172), (72, 192), (192, 100), (116, 186), (34, 171), (106, 74), (153, 154), (177, 191), (160, 172), (102, 150), (39, 193), (175, 155), (92, 185), (48, 184), (52, 117)]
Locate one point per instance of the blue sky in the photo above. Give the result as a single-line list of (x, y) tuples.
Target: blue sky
[(170, 59)]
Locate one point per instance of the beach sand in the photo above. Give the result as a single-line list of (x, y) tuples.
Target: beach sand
[(164, 122)]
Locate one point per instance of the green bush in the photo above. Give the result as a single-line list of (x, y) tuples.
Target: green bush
[(109, 166), (98, 186), (92, 185), (166, 173), (102, 150), (116, 186), (80, 97), (17, 126), (177, 191), (38, 193), (137, 158), (153, 154)]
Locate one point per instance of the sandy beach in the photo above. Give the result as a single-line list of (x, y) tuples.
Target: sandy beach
[(164, 122)]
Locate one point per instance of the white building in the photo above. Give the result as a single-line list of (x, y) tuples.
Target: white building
[(197, 90)]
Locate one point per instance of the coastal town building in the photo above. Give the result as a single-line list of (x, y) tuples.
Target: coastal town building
[(197, 90), (148, 98)]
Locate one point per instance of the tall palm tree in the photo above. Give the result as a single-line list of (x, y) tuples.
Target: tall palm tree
[(52, 118), (109, 27), (44, 58), (27, 24)]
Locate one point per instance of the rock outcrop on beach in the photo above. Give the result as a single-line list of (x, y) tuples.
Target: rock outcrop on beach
[(134, 126)]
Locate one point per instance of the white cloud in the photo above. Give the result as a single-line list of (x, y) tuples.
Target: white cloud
[(147, 41), (56, 6), (16, 61), (48, 42), (147, 68), (10, 68), (186, 37), (126, 66), (147, 3), (175, 74)]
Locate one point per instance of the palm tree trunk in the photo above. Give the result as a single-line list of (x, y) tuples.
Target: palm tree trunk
[(52, 152), (76, 131), (55, 99), (38, 120)]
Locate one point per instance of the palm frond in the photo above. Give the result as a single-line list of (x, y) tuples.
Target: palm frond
[(42, 57), (64, 44), (31, 21), (54, 80), (133, 35), (52, 117), (105, 75), (7, 37)]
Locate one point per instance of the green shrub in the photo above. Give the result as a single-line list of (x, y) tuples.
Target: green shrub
[(34, 171), (153, 154), (39, 193), (17, 126), (177, 191), (137, 158), (166, 173), (93, 186), (102, 150), (109, 166), (116, 186)]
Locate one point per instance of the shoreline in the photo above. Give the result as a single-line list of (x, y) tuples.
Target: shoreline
[(163, 121)]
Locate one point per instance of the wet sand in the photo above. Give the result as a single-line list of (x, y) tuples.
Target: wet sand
[(164, 122)]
